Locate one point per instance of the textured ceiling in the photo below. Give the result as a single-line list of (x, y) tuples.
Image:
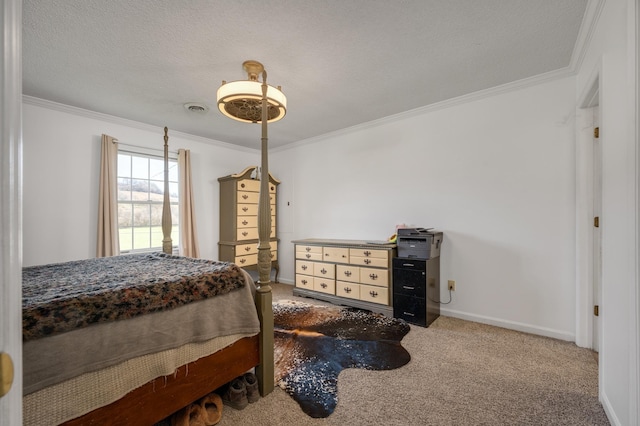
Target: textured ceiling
[(340, 62)]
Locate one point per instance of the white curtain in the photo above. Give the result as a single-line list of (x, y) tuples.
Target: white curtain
[(188, 245), (108, 242)]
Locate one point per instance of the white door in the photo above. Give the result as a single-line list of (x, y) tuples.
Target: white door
[(597, 233), (11, 208)]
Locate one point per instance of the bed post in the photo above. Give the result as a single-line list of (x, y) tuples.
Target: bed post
[(167, 244), (265, 370)]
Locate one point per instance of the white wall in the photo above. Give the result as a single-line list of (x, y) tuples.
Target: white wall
[(61, 170), (496, 175), (611, 56)]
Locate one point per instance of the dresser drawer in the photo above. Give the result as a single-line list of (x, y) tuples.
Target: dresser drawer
[(372, 276), (246, 197), (308, 256), (335, 254), (251, 259), (304, 267), (369, 261), (347, 289), (304, 281), (248, 185), (247, 234), (348, 273), (247, 222), (244, 249), (324, 270), (374, 294), (324, 285), (378, 254), (247, 209)]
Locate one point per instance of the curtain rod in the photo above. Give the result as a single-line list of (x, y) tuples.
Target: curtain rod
[(114, 140)]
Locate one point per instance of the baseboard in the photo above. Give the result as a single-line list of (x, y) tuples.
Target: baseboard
[(286, 281), (511, 325), (608, 410)]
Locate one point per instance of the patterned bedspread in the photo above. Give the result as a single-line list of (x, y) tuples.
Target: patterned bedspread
[(65, 296)]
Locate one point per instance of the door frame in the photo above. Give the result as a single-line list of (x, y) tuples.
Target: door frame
[(584, 209), (11, 207)]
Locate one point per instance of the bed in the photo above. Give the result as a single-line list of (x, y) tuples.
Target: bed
[(134, 351)]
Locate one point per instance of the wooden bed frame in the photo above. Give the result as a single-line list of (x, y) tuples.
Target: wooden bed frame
[(163, 396)]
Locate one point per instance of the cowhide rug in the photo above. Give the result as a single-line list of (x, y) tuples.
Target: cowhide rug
[(314, 343)]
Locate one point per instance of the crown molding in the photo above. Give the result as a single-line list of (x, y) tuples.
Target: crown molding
[(68, 109), (587, 28), (449, 103)]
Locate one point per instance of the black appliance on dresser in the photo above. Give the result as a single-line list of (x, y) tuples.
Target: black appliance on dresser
[(416, 276)]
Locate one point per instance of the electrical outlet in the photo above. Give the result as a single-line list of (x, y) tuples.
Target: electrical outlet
[(452, 285)]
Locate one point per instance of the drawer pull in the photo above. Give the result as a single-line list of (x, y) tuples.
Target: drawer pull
[(244, 222), (245, 209), (347, 290), (367, 261), (245, 196), (373, 293), (347, 273), (247, 249), (308, 256), (408, 264), (373, 276), (242, 185), (307, 248), (244, 234), (367, 253), (409, 313), (304, 282), (243, 260), (408, 288), (304, 267), (272, 255), (323, 271), (344, 256), (323, 285), (272, 188)]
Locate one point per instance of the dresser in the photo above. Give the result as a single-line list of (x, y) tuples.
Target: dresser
[(346, 272), (239, 195)]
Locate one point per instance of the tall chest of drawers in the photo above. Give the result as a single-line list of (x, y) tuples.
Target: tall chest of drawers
[(346, 272), (239, 195)]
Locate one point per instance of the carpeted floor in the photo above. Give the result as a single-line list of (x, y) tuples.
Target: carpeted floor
[(460, 373)]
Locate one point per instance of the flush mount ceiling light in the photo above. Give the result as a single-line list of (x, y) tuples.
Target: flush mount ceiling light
[(242, 100)]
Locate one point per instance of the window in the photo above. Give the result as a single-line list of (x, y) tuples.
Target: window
[(140, 198)]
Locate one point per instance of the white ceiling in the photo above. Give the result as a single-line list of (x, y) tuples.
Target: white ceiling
[(340, 62)]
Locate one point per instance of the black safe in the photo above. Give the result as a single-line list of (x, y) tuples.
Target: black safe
[(416, 280)]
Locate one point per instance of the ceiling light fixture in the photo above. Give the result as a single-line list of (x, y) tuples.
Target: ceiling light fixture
[(242, 100)]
